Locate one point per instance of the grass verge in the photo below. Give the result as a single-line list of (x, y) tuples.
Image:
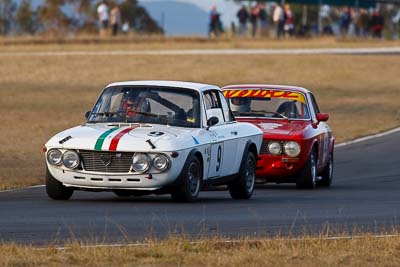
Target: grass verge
[(363, 251), (29, 44)]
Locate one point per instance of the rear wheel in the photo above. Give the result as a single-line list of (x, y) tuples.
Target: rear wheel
[(307, 178), (189, 189), (327, 173), (243, 186), (55, 189)]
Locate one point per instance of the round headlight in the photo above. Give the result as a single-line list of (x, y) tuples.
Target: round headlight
[(275, 148), (160, 162), (292, 149), (140, 162), (54, 156), (70, 159)]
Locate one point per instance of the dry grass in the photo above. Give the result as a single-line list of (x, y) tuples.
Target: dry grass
[(23, 44), (40, 96), (365, 251)]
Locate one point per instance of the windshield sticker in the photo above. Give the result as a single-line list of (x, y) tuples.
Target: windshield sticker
[(258, 93)]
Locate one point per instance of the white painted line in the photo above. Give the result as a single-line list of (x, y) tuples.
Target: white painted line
[(329, 238), (186, 52), (366, 138)]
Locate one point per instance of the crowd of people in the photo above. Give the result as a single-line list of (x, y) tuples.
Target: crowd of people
[(279, 21), (261, 19)]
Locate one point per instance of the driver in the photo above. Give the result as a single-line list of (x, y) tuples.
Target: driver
[(136, 105), (240, 105)]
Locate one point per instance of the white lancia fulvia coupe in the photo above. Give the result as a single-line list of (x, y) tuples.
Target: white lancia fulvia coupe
[(155, 137)]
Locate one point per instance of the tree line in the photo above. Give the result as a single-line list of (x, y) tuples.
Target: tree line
[(67, 16)]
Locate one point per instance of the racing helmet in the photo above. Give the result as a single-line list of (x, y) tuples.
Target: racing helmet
[(240, 104), (138, 102)]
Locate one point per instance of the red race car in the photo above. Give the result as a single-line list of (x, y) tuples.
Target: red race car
[(297, 144)]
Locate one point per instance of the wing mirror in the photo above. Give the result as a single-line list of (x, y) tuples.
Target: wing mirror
[(322, 117), (87, 114), (212, 121)]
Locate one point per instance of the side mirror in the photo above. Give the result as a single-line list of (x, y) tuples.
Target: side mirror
[(87, 114), (212, 121), (322, 117)]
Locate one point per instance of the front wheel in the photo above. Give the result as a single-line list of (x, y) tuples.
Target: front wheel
[(189, 189), (327, 173), (243, 186), (55, 189), (123, 193), (307, 178)]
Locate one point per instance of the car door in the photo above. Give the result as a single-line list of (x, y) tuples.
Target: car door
[(323, 134), (221, 150)]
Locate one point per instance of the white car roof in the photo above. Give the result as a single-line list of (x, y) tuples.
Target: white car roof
[(189, 85)]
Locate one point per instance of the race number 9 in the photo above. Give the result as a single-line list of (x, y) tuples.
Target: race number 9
[(219, 158)]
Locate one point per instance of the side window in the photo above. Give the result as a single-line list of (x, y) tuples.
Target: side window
[(225, 108), (314, 103), (213, 105)]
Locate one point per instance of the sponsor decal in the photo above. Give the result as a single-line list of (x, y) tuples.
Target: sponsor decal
[(196, 142), (261, 93), (270, 126)]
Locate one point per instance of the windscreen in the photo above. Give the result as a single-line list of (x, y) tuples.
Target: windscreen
[(157, 105), (267, 103)]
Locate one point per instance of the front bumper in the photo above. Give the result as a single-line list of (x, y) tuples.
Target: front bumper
[(107, 181), (277, 167)]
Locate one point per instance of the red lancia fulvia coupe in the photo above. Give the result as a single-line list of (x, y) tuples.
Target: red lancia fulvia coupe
[(297, 143)]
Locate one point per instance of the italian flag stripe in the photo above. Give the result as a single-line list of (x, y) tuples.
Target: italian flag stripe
[(100, 141), (115, 140)]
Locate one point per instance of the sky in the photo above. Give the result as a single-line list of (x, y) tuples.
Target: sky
[(227, 8)]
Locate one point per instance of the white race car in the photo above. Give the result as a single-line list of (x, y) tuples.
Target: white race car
[(158, 137)]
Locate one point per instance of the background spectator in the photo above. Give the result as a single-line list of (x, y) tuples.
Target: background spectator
[(102, 12), (377, 24), (115, 19), (214, 25), (243, 16), (289, 21), (254, 19), (345, 20), (263, 17), (361, 23), (279, 20)]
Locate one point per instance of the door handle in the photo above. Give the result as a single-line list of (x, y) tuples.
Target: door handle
[(234, 133)]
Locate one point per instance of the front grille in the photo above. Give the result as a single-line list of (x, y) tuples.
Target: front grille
[(96, 161)]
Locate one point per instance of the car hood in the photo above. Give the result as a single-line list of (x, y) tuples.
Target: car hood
[(279, 127), (125, 138)]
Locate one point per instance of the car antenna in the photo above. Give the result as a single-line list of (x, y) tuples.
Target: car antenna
[(151, 144)]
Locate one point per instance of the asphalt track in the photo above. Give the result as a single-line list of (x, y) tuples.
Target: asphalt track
[(364, 198)]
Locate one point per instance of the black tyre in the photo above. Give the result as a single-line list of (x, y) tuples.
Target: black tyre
[(190, 185), (55, 189), (123, 193), (307, 178), (327, 174), (243, 186)]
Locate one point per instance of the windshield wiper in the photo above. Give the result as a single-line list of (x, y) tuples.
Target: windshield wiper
[(263, 112), (108, 114)]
